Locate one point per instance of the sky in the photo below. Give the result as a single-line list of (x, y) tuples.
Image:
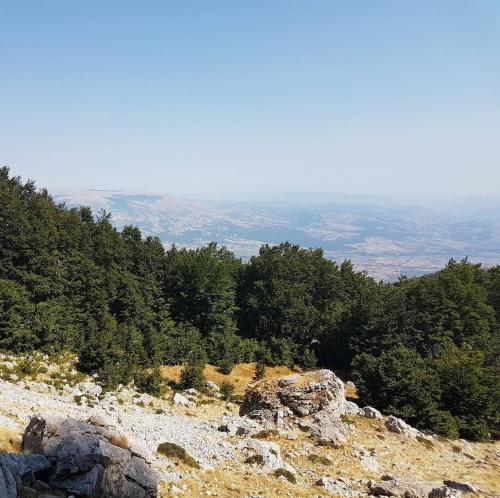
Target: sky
[(358, 97)]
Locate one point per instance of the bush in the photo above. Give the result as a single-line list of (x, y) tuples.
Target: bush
[(260, 371), (319, 459), (227, 391), (172, 450), (226, 365), (308, 359), (426, 442), (266, 434), (255, 459), (150, 382), (286, 474), (192, 377)]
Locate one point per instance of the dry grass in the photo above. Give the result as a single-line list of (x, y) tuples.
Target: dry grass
[(10, 441), (395, 455), (241, 375), (230, 483), (351, 392), (119, 440)]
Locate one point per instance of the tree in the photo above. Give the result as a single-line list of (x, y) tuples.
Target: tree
[(470, 391), (399, 382), (192, 374)]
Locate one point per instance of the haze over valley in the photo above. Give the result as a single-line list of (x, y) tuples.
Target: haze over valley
[(383, 236)]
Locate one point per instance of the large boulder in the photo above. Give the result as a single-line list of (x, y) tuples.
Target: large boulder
[(399, 487), (301, 395), (89, 460), (315, 400)]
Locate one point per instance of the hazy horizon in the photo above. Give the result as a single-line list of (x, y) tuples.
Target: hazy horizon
[(189, 97)]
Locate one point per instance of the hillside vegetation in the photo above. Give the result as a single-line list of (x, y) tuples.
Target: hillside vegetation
[(425, 349)]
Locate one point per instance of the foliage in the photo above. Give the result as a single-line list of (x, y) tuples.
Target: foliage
[(314, 458), (286, 474), (227, 390), (172, 450), (260, 371), (425, 349), (150, 382)]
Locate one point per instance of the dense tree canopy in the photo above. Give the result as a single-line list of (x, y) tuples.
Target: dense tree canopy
[(425, 349)]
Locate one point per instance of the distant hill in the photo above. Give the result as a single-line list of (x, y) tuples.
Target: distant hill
[(382, 236)]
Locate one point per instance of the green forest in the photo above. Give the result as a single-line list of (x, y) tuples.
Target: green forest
[(425, 349)]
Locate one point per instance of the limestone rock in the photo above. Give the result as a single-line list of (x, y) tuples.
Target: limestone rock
[(269, 453), (405, 488), (89, 388), (213, 386), (367, 458), (7, 423), (339, 487), (314, 400), (181, 400), (461, 486), (399, 426), (239, 426), (370, 412), (299, 395), (326, 426), (89, 460)]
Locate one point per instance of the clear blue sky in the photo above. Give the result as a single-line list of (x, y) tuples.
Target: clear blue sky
[(391, 97)]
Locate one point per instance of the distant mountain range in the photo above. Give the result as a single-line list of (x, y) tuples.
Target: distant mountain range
[(381, 236)]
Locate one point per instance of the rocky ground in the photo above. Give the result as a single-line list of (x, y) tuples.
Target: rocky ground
[(297, 437)]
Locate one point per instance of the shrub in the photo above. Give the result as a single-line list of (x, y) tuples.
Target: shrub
[(325, 443), (227, 391), (226, 365), (308, 359), (260, 371), (172, 450), (150, 382), (286, 474), (319, 459), (192, 377), (255, 459), (428, 444), (26, 367), (347, 419), (266, 434)]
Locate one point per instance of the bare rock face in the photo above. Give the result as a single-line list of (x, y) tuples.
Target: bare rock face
[(316, 400), (89, 460)]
